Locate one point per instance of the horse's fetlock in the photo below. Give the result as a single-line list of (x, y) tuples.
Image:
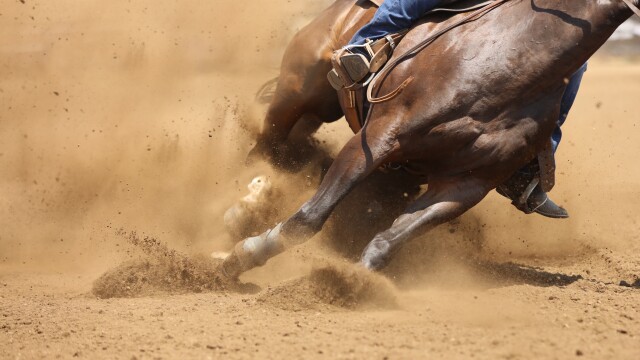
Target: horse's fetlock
[(376, 254), (306, 222)]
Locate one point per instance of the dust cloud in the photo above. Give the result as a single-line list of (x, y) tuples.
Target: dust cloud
[(139, 115), (133, 115), (123, 133)]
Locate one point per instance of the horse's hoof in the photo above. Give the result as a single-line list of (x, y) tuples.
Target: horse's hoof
[(254, 212), (260, 188), (375, 255), (230, 269), (220, 255)]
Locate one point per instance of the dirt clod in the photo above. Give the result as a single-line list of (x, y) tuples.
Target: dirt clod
[(162, 271)]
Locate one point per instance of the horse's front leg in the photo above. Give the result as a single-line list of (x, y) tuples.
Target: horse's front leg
[(360, 156), (443, 201), (302, 101)]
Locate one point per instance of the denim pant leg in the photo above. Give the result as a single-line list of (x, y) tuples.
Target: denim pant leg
[(568, 98), (393, 16)]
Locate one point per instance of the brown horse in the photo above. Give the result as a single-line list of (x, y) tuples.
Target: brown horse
[(485, 104)]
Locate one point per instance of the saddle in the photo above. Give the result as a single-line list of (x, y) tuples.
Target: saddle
[(355, 98), (347, 67)]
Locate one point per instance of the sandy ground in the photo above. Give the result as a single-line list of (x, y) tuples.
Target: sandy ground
[(137, 116)]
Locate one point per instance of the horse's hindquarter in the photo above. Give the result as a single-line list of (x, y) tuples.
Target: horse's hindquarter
[(335, 26), (492, 80)]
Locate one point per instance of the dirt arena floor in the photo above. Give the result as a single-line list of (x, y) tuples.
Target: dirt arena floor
[(121, 117)]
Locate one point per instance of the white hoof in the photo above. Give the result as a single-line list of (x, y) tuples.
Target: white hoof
[(259, 190), (255, 211), (220, 255)]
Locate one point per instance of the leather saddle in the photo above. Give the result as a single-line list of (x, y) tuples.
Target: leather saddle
[(354, 100)]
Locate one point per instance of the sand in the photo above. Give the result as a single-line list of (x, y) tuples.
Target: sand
[(136, 116)]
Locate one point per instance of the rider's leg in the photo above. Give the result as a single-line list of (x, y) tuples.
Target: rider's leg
[(568, 99), (539, 201), (393, 16)]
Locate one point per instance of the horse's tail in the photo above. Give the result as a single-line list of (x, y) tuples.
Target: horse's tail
[(264, 95)]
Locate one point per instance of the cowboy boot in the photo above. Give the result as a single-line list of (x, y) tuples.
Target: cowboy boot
[(350, 66), (525, 193), (355, 64)]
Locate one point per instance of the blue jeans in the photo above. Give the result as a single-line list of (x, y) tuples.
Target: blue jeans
[(397, 15), (568, 98), (393, 16)]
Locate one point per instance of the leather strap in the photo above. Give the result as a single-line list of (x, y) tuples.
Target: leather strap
[(633, 7), (347, 99), (382, 49), (420, 46), (452, 9), (461, 10)]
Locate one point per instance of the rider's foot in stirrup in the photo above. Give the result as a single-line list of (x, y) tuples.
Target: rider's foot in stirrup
[(351, 66), (537, 201), (540, 202), (356, 62)]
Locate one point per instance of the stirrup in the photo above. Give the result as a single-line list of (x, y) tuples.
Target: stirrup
[(350, 68), (356, 65), (335, 80), (530, 201), (522, 201)]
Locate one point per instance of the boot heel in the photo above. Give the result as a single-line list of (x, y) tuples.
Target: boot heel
[(335, 80)]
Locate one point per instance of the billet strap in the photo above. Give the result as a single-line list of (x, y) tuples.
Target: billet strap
[(389, 40), (633, 7), (382, 49), (420, 46)]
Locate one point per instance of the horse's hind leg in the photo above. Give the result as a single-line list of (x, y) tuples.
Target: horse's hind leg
[(360, 156), (443, 201)]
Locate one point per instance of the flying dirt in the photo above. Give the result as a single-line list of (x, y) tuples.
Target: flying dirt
[(124, 129)]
